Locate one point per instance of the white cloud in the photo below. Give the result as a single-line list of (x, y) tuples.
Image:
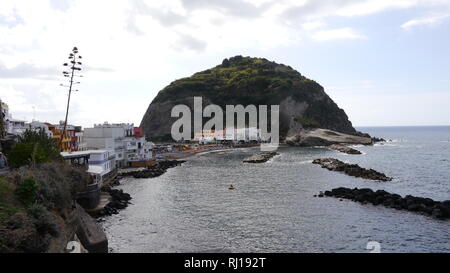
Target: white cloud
[(313, 25), (151, 43), (367, 7), (427, 21), (336, 34)]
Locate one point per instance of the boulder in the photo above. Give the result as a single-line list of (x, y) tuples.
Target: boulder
[(260, 158)]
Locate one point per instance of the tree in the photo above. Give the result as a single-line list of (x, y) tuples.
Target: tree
[(73, 66), (33, 148)]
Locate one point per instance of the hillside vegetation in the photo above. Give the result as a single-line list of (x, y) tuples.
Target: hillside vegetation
[(245, 80)]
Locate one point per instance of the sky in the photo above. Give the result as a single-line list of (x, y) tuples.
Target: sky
[(386, 63)]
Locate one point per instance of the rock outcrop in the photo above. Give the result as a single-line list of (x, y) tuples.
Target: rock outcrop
[(244, 80), (260, 158), (427, 206), (344, 149), (325, 137), (333, 164), (119, 200)]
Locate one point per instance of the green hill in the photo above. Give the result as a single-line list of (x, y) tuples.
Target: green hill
[(245, 80)]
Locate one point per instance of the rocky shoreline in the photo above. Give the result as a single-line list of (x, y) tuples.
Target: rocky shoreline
[(355, 170), (260, 158), (344, 149), (426, 206), (119, 200)]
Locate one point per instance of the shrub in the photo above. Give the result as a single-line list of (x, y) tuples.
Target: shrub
[(43, 220), (27, 191), (21, 235), (34, 147), (6, 210), (23, 153)]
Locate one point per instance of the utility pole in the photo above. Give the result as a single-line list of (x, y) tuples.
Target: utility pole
[(73, 66)]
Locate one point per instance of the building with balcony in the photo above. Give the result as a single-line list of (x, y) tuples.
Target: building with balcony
[(124, 139)]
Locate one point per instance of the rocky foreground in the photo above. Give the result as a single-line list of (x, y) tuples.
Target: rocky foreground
[(344, 149), (154, 171), (355, 170), (260, 158), (427, 206)]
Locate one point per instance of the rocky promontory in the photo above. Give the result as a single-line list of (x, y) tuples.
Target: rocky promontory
[(427, 206), (355, 170), (260, 158), (326, 137)]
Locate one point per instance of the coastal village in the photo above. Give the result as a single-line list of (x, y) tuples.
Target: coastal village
[(110, 151)]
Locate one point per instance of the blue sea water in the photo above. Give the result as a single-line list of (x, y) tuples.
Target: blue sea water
[(273, 209)]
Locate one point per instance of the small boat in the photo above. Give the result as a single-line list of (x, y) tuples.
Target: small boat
[(231, 187)]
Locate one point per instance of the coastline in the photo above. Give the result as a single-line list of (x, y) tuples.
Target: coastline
[(268, 189)]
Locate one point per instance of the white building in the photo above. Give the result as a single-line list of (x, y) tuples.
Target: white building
[(16, 127), (229, 134), (138, 149), (100, 163), (121, 139), (82, 145), (37, 126)]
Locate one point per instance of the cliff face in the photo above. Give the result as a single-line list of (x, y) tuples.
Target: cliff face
[(244, 80)]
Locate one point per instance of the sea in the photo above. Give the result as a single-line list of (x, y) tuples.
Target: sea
[(273, 209)]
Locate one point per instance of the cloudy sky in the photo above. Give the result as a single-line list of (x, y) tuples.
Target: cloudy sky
[(383, 62)]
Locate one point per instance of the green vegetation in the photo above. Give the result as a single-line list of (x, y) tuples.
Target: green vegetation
[(27, 191), (34, 203), (257, 81), (33, 148), (6, 193), (43, 220), (307, 123)]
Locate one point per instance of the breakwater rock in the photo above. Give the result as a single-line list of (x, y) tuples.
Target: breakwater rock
[(260, 158), (427, 206), (344, 149), (355, 170), (154, 171)]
